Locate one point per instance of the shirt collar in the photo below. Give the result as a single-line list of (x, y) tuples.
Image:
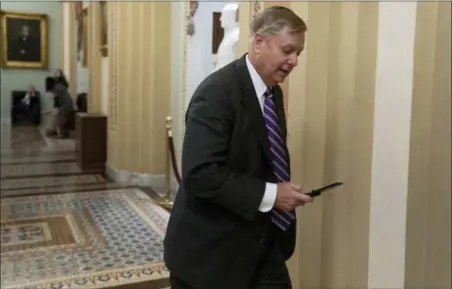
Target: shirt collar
[(258, 83)]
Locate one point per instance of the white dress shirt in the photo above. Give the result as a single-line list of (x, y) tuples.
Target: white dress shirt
[(26, 99), (259, 86)]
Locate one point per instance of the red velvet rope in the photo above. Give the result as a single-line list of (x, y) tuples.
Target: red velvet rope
[(173, 159)]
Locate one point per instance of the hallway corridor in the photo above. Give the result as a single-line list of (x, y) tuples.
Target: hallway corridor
[(62, 227)]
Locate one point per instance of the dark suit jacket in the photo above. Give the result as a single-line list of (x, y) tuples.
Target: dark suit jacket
[(30, 47), (215, 230)]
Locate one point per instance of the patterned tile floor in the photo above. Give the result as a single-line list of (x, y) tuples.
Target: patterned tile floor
[(50, 181), (112, 237), (65, 228), (23, 139), (39, 169), (60, 189), (11, 159)]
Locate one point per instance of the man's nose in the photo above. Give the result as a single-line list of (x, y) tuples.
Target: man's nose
[(293, 60)]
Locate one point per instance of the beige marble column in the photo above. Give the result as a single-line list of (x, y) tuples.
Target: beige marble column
[(94, 58), (73, 51), (350, 119), (139, 57), (330, 122), (69, 45), (63, 32), (428, 232)]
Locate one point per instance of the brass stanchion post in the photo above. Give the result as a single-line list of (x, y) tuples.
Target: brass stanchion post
[(166, 201)]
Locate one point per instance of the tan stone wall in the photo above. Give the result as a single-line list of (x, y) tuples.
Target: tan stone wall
[(428, 251), (139, 38), (330, 102)]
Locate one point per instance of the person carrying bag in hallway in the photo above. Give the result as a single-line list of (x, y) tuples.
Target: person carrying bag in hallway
[(63, 109)]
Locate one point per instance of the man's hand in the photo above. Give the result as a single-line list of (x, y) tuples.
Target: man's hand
[(289, 196)]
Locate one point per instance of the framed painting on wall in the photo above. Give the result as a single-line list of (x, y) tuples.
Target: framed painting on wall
[(24, 40)]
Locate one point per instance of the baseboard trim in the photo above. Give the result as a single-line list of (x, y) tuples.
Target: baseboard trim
[(156, 182), (5, 132), (173, 187), (6, 120)]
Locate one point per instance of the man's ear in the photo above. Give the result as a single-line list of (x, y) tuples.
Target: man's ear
[(258, 40)]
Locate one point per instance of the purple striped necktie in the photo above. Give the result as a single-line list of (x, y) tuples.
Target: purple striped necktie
[(280, 158)]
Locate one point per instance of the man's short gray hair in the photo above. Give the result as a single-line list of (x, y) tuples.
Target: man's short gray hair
[(274, 19)]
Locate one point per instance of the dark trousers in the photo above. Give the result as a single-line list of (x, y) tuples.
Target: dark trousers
[(271, 272)]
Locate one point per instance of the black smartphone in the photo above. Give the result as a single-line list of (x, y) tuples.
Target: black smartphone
[(318, 192)]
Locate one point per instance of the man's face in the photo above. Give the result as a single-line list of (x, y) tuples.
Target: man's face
[(278, 54)]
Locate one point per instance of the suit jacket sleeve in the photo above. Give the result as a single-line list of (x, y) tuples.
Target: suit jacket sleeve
[(206, 175)]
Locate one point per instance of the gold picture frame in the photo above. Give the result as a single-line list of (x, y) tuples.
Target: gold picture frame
[(103, 33), (24, 39)]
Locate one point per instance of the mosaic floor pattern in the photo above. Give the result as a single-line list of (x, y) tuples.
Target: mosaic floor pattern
[(50, 181), (58, 144), (61, 189), (23, 139), (22, 159), (82, 240), (26, 136), (38, 169), (64, 229), (29, 139)]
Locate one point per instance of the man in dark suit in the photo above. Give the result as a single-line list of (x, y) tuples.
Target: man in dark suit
[(29, 105), (233, 221)]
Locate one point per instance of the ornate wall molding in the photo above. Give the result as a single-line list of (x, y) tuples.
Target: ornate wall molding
[(257, 6), (71, 50), (112, 39), (64, 48), (184, 84), (90, 65)]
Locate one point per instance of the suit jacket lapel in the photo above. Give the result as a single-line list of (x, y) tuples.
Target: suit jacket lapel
[(251, 106)]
